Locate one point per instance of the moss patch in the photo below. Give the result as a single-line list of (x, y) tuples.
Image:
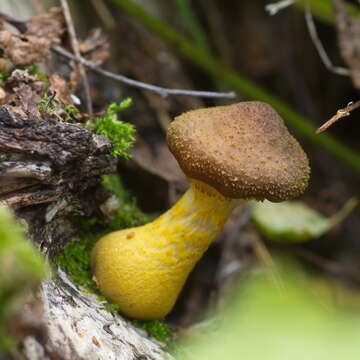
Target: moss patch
[(120, 133), (157, 328), (75, 259)]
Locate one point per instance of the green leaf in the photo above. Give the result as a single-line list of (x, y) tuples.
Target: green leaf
[(294, 221)]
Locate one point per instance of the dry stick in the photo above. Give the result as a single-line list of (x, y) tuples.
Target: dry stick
[(75, 47), (319, 46), (328, 64), (157, 89), (340, 114), (21, 26), (274, 8)]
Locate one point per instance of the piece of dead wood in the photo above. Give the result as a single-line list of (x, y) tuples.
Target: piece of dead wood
[(64, 322), (339, 70), (44, 161), (275, 7), (50, 171), (22, 26), (341, 113)]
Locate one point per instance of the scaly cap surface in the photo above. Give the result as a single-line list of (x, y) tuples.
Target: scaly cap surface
[(242, 150)]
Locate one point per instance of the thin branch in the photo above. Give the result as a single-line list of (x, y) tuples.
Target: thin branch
[(157, 89), (75, 47), (319, 46), (21, 26), (274, 8), (340, 114), (248, 88), (51, 99)]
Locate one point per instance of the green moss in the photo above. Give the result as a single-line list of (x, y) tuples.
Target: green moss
[(3, 77), (34, 70), (129, 215), (75, 259), (49, 104), (158, 329), (121, 134), (71, 110)]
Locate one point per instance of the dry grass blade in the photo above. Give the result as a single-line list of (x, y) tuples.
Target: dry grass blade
[(75, 47)]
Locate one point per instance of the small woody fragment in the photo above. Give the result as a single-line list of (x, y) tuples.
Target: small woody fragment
[(339, 115)]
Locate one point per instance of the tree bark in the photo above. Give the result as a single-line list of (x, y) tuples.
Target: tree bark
[(49, 171), (75, 325)]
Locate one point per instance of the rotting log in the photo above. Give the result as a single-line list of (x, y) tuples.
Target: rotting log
[(74, 325), (50, 171)]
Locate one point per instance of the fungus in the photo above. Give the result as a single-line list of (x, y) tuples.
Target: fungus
[(230, 154)]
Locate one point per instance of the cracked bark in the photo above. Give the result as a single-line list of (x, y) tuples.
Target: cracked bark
[(49, 171)]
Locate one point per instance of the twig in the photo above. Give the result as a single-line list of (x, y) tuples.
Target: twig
[(319, 46), (274, 8), (157, 89), (246, 87), (51, 99), (21, 26), (75, 47), (239, 82), (340, 114)]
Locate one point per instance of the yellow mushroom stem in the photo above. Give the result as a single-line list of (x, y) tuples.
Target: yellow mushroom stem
[(143, 269)]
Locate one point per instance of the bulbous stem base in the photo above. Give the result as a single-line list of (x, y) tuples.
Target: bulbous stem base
[(143, 269)]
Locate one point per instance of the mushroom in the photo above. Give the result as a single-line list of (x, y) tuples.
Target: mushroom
[(230, 154)]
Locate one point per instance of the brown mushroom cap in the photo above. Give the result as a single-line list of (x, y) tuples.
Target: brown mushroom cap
[(243, 150)]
